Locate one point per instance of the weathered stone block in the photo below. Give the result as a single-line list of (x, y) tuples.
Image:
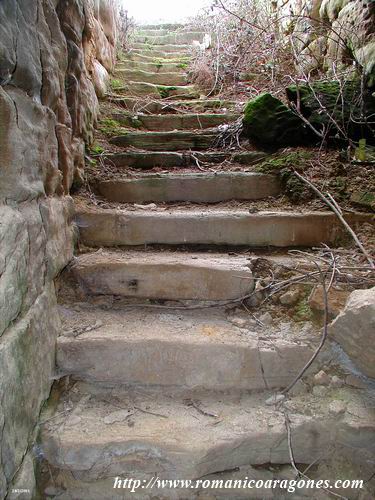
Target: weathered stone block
[(354, 330)]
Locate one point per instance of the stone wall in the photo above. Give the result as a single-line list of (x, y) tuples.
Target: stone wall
[(55, 56), (332, 34)]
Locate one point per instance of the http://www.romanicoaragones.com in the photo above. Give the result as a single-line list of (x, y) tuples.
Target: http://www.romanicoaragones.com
[(287, 485)]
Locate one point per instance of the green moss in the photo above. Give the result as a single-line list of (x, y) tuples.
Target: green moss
[(116, 84), (334, 108), (364, 199), (271, 124), (109, 126), (165, 91), (96, 149), (182, 65), (277, 163), (302, 311), (283, 165)]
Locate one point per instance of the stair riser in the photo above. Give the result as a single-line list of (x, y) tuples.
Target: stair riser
[(173, 79), (199, 106), (182, 364), (153, 67), (171, 38), (209, 189), (169, 58), (148, 89), (161, 54), (165, 48), (152, 142), (311, 440), (255, 230), (173, 122), (169, 160), (164, 281)]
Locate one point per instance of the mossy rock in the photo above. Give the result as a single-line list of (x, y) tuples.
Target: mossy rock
[(336, 110), (365, 199), (271, 124)]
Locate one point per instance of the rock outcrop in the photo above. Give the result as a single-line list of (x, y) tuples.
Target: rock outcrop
[(354, 330), (332, 34), (53, 56)]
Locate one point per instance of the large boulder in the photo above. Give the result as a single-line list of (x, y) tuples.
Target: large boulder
[(271, 124), (354, 330), (336, 110)]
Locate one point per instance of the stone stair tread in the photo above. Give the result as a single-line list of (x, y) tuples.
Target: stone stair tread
[(149, 159), (211, 226), (160, 91), (97, 433), (164, 275), (163, 54), (156, 67), (160, 39), (155, 107), (173, 121), (169, 348), (171, 78), (175, 140), (194, 187), (168, 47), (160, 57)]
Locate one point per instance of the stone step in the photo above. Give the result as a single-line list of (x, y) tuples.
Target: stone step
[(165, 38), (170, 348), (166, 275), (149, 159), (165, 48), (161, 141), (196, 187), (155, 107), (152, 32), (136, 55), (136, 75), (211, 226), (159, 91), (97, 434), (161, 54), (169, 122), (156, 67)]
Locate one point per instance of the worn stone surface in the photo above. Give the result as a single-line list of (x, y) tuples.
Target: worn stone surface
[(207, 188), (166, 141), (347, 35), (336, 300), (24, 485), (160, 78), (27, 358), (48, 108), (173, 439), (167, 275), (163, 91), (207, 227), (169, 348), (173, 121), (354, 330), (149, 159)]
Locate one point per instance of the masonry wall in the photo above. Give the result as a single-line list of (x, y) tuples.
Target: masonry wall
[(55, 56)]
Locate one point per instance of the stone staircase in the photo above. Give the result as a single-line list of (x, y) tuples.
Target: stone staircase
[(162, 384)]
